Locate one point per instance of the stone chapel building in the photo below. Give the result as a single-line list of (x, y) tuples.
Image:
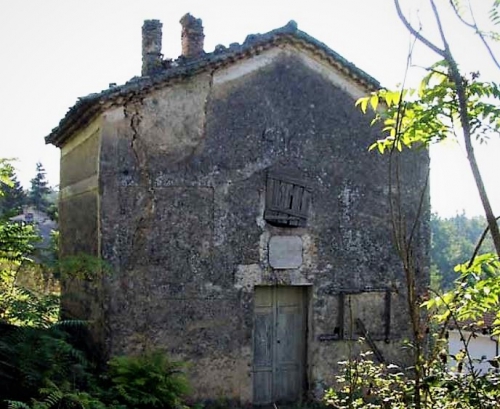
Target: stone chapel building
[(245, 226)]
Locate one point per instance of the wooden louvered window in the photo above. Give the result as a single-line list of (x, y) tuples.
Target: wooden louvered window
[(287, 200)]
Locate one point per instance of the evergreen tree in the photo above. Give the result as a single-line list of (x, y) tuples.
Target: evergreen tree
[(39, 191), (13, 199)]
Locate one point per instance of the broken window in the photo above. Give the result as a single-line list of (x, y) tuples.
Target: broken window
[(287, 200)]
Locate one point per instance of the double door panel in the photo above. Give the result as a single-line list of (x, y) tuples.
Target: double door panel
[(279, 344)]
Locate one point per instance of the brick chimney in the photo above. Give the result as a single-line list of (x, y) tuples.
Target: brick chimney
[(151, 47), (192, 36)]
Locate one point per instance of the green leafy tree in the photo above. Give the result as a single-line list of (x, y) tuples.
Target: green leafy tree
[(39, 190), (14, 198), (448, 104), (20, 304), (453, 241)]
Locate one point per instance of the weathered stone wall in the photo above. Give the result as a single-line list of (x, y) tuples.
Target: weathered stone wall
[(79, 229), (183, 179)]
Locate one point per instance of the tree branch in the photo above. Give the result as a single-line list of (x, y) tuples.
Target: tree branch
[(463, 111), (476, 29), (460, 17), (414, 32), (479, 244), (441, 31), (481, 36)]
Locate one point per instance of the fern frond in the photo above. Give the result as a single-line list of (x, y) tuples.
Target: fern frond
[(12, 404)]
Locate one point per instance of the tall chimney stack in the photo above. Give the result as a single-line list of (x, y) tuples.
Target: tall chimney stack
[(192, 36), (151, 47)]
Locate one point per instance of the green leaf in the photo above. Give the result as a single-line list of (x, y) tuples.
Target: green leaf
[(364, 104)]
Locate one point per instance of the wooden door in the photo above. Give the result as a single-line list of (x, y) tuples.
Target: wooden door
[(279, 344)]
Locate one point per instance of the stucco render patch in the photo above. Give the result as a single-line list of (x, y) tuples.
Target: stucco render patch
[(171, 121), (247, 277)]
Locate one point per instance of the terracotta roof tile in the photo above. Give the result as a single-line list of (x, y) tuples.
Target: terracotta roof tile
[(485, 323)]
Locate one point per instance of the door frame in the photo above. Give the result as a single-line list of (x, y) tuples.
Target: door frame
[(306, 296)]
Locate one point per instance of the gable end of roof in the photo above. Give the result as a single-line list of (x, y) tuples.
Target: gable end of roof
[(89, 107)]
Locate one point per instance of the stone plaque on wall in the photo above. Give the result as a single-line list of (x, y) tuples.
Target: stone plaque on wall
[(285, 252)]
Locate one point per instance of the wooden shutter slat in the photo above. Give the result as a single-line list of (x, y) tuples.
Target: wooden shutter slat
[(287, 200)]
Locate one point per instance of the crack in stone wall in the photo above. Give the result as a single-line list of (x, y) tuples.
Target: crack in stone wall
[(184, 202), (132, 110)]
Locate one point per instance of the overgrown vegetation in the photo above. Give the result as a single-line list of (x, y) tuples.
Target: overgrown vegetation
[(367, 384), (150, 380), (43, 362)]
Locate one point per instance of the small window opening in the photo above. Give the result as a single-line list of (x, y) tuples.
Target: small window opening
[(287, 200)]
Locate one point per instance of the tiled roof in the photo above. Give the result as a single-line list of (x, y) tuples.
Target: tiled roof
[(482, 324), (86, 108)]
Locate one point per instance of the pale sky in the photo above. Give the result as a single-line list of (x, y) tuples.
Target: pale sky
[(54, 51)]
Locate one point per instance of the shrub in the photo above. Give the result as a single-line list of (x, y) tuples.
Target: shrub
[(149, 380), (34, 359), (365, 384)]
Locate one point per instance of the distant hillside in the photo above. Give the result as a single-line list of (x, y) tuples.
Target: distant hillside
[(452, 242)]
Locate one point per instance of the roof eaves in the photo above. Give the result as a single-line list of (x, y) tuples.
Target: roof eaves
[(88, 107)]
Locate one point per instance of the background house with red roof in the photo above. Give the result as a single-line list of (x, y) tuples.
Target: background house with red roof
[(478, 338)]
